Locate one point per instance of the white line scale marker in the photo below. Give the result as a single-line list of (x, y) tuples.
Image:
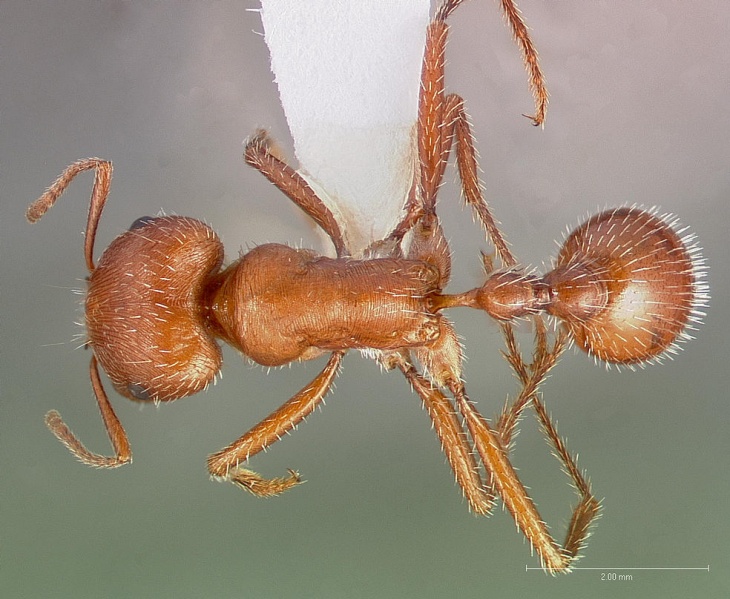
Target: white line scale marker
[(705, 568)]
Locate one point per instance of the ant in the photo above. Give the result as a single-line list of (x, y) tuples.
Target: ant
[(626, 285)]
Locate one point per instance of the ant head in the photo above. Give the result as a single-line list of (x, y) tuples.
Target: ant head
[(143, 313), (628, 284)]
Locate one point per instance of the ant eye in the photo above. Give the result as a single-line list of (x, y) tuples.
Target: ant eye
[(142, 221), (652, 273), (138, 392)]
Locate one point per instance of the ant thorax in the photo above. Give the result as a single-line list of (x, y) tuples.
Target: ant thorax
[(315, 304)]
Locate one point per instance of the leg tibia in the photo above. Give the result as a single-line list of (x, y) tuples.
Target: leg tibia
[(225, 464)]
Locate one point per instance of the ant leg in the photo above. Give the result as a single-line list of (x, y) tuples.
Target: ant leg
[(434, 143), (466, 160), (99, 194), (258, 154), (454, 441), (442, 118), (225, 464), (436, 116), (531, 377), (443, 364), (114, 428), (588, 508), (544, 358), (521, 34), (509, 487), (530, 58), (433, 139), (442, 360), (454, 124)]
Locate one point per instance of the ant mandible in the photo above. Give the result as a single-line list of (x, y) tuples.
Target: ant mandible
[(626, 285)]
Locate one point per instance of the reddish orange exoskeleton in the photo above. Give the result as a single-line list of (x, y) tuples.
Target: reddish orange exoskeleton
[(626, 285)]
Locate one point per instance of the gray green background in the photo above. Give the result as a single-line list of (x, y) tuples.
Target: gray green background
[(168, 91)]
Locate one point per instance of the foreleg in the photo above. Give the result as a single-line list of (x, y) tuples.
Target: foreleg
[(291, 183), (225, 464)]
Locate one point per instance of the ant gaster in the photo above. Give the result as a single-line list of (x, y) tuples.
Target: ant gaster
[(626, 285)]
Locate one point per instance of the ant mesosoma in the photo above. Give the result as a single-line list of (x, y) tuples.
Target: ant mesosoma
[(626, 285)]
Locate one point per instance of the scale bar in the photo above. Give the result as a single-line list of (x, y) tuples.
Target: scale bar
[(705, 568)]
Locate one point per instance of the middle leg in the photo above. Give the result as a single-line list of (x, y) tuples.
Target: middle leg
[(454, 441)]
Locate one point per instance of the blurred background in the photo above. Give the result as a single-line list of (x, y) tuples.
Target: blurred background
[(168, 91)]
